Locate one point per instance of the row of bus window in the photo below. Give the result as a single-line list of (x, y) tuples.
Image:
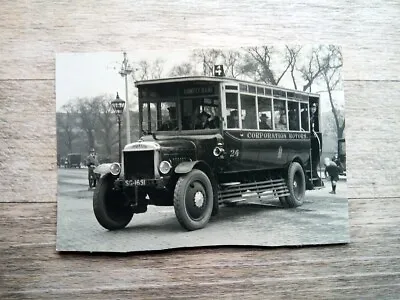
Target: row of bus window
[(268, 92), (273, 114)]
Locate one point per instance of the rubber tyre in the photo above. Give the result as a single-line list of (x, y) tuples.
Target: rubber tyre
[(190, 216), (296, 184), (92, 181), (111, 208)]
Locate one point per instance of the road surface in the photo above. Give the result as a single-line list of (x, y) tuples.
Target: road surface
[(322, 219)]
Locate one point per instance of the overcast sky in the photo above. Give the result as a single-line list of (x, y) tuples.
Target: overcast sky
[(92, 74)]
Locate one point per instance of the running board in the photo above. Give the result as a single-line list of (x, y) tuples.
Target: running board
[(262, 190)]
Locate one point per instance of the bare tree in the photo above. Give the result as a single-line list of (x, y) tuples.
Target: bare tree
[(88, 110), (259, 62), (232, 61), (106, 131), (207, 57), (184, 69), (148, 69), (314, 66), (291, 55), (331, 65), (157, 68), (67, 125), (143, 71)]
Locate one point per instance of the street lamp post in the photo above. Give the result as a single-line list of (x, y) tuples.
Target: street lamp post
[(118, 106), (124, 72)]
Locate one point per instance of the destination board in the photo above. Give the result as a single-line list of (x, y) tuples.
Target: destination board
[(197, 91)]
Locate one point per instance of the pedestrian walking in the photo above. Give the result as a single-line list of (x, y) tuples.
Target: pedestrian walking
[(333, 171)]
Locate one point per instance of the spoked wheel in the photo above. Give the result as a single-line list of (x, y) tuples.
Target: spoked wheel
[(111, 208), (296, 184), (193, 200)]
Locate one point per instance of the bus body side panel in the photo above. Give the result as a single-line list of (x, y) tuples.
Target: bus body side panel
[(300, 149), (233, 151), (243, 151), (252, 150)]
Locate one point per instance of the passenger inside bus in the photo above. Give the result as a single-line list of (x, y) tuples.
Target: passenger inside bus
[(249, 113), (233, 119), (314, 117), (280, 114), (294, 120), (282, 123), (264, 122)]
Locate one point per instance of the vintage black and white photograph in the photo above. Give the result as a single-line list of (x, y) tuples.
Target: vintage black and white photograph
[(164, 149)]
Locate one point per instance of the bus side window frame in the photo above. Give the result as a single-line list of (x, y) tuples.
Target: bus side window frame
[(227, 114), (243, 97), (286, 113), (270, 100), (298, 125), (307, 112)]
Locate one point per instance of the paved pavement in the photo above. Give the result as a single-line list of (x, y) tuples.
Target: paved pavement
[(322, 219)]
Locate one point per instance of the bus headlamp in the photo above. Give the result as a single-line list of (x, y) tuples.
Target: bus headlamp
[(165, 167), (115, 169)]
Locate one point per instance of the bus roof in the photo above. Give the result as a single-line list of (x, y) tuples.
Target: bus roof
[(215, 79)]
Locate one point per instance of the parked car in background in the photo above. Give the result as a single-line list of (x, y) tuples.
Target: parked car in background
[(74, 160)]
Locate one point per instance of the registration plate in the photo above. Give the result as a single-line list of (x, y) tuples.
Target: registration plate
[(135, 182)]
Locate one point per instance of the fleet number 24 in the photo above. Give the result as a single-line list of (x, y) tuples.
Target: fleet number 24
[(234, 153)]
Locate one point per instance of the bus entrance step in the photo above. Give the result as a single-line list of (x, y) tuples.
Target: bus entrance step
[(248, 202), (262, 204), (234, 201), (229, 184)]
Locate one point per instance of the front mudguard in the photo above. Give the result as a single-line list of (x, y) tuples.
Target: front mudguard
[(187, 166), (103, 169)]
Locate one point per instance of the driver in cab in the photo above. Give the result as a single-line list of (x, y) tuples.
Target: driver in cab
[(204, 122), (172, 123)]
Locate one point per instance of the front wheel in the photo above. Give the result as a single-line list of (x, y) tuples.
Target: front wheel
[(296, 184), (111, 208), (193, 200)]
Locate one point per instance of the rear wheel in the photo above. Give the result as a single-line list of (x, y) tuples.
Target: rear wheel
[(193, 200), (296, 184), (111, 208)]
